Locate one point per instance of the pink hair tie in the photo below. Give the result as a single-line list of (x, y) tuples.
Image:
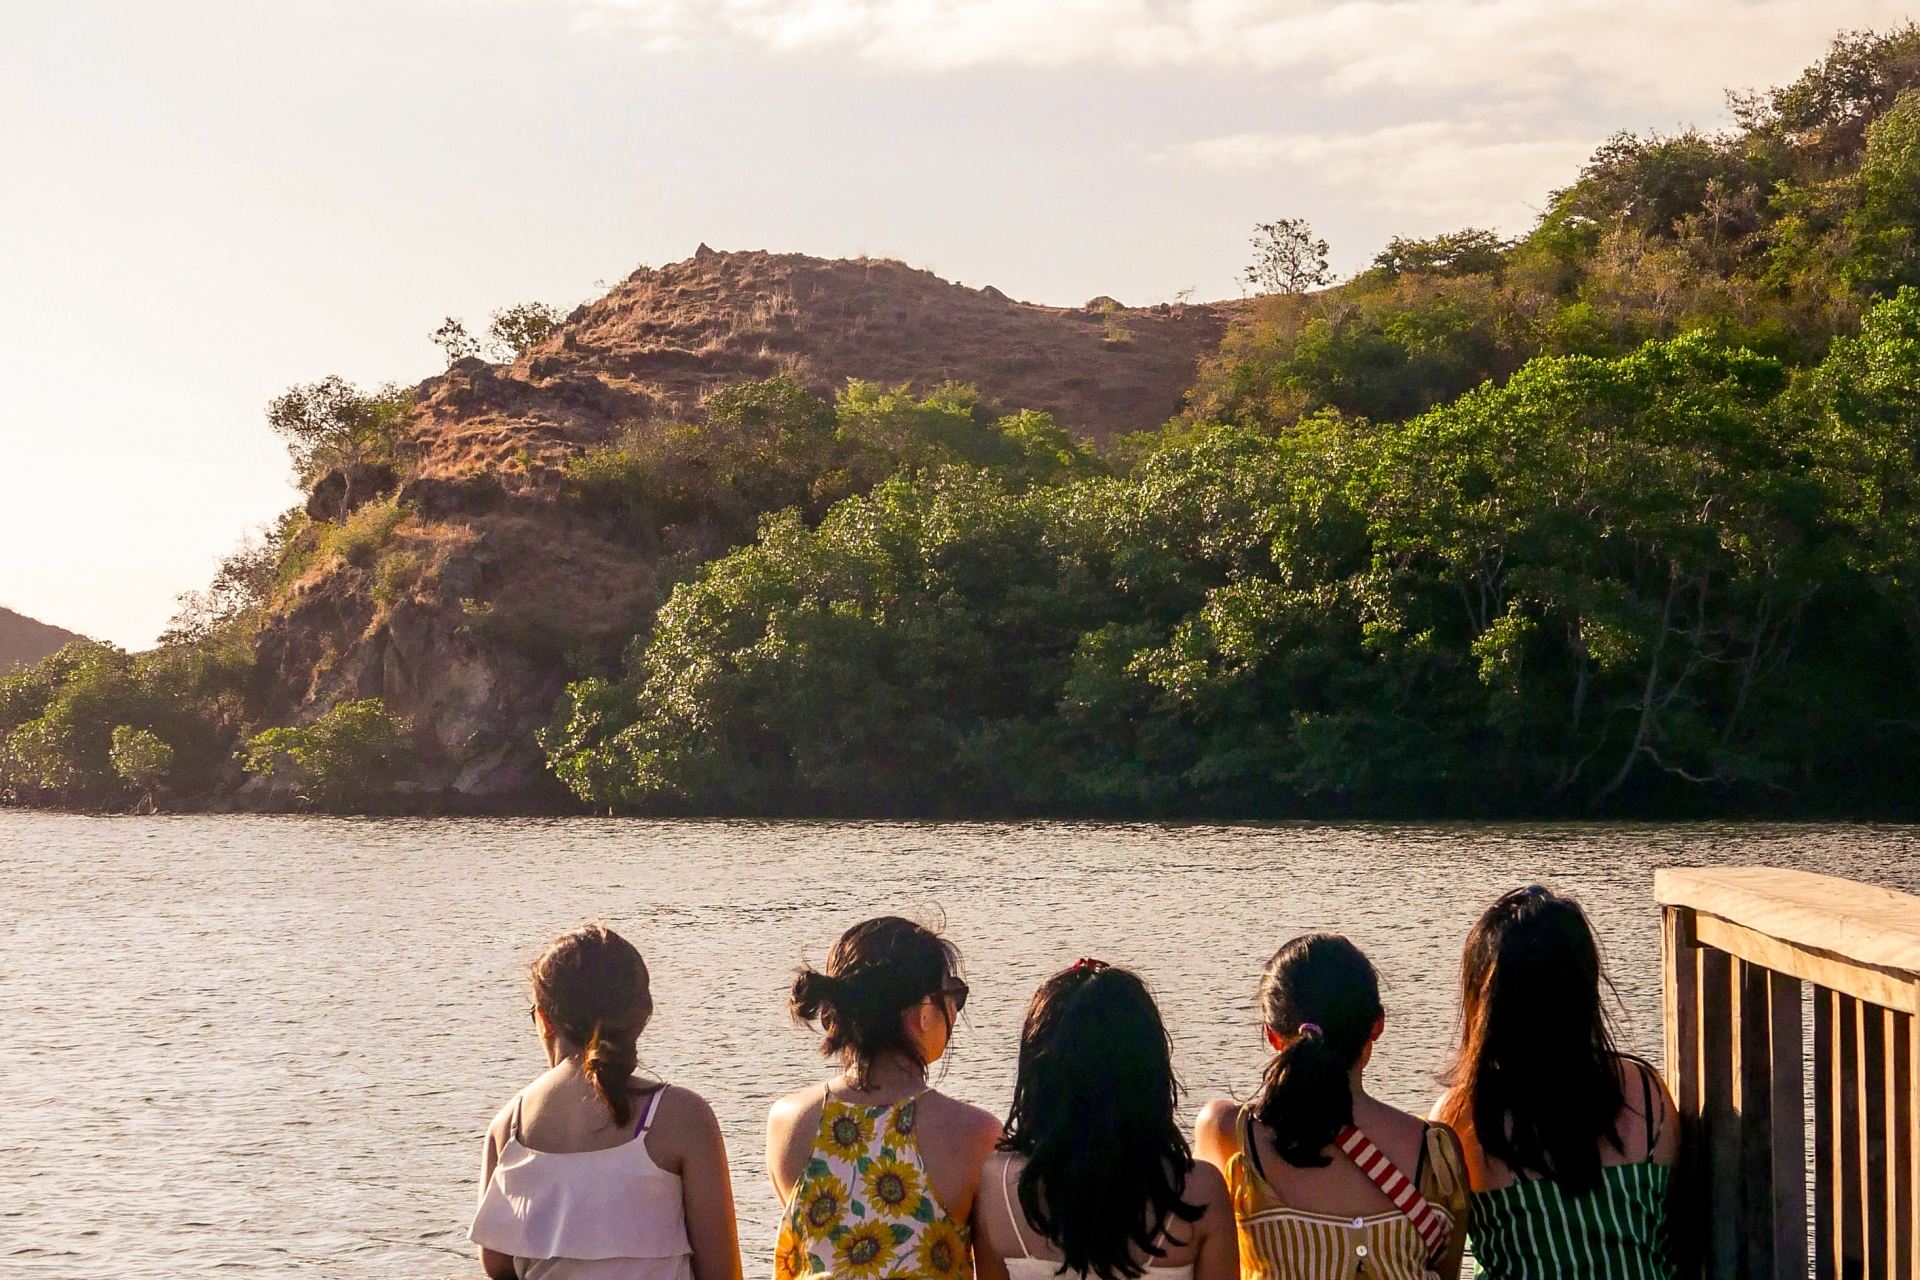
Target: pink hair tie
[(1306, 1027)]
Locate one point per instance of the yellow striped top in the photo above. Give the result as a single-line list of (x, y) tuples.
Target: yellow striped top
[(1279, 1242)]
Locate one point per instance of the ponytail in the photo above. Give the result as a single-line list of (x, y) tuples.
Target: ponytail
[(594, 989), (1320, 998), (609, 1062)]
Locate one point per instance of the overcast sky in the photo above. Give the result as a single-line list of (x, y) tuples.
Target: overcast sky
[(203, 203)]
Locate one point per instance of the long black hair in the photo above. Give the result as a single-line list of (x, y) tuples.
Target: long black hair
[(1537, 1076), (1093, 1113), (877, 971), (1321, 998)]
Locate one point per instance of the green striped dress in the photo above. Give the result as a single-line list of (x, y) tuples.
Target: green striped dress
[(1533, 1230)]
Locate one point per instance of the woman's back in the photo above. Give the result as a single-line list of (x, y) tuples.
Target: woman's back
[(1333, 1222), (1026, 1254), (572, 1198), (1529, 1226), (879, 1187)]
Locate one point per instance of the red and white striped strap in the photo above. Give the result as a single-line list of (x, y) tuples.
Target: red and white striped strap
[(1432, 1225)]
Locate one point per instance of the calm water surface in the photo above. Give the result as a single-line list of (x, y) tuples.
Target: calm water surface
[(264, 1046)]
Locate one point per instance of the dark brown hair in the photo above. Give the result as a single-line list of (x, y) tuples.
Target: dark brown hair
[(877, 971), (1537, 1076), (1095, 1114), (1321, 997), (593, 988)]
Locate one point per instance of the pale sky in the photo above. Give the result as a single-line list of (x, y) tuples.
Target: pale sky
[(202, 203)]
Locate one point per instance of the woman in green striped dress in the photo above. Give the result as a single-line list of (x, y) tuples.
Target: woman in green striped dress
[(1569, 1143)]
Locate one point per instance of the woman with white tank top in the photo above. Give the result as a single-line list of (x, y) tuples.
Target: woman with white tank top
[(588, 1175), (1093, 1174)]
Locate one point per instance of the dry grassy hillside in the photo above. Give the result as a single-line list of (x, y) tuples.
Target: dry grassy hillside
[(488, 585), (23, 641)]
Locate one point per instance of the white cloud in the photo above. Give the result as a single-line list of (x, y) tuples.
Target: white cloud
[(1438, 174), (1648, 52)]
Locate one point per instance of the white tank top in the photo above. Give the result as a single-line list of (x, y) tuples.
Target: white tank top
[(1028, 1267), (611, 1214)]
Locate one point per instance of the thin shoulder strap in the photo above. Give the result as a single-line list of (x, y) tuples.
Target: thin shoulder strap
[(1429, 1222), (1013, 1214), (513, 1130), (1656, 1120), (646, 1113), (1250, 1143)]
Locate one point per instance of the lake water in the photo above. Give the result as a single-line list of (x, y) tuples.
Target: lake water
[(268, 1046)]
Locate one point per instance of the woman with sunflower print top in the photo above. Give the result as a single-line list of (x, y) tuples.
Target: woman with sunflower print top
[(879, 1172)]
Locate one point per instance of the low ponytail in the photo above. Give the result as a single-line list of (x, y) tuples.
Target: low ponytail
[(1320, 999), (594, 989), (609, 1062)]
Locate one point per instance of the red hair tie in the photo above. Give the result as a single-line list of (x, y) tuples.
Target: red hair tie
[(1087, 964)]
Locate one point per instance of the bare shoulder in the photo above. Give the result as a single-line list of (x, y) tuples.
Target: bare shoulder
[(963, 1119), (1400, 1135), (1217, 1117), (1205, 1186), (684, 1110), (796, 1106)]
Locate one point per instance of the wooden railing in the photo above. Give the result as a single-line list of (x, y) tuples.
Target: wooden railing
[(1747, 950)]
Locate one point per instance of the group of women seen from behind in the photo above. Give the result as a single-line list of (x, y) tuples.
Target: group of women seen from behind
[(1550, 1150)]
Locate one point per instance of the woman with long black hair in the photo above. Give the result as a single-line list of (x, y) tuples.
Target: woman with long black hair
[(1093, 1175), (1329, 1183), (1569, 1142)]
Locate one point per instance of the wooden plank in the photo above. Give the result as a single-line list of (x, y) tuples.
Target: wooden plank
[(1870, 1030), (1913, 1147), (1884, 987), (1719, 1126), (1849, 1163), (1787, 1151), (1900, 1141), (1827, 1204), (1752, 1083), (1861, 923), (1680, 975)]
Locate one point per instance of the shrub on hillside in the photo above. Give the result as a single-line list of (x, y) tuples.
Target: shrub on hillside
[(345, 757)]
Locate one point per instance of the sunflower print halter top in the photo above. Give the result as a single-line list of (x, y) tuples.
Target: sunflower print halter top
[(863, 1209)]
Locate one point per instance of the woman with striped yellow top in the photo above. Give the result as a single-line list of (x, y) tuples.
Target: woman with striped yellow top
[(1328, 1183)]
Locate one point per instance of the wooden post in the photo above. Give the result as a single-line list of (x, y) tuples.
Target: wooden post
[(1826, 1147), (1719, 1125), (1787, 1142), (1850, 1205), (1681, 977), (1899, 1142)]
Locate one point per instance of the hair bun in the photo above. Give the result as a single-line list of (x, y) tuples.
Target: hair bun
[(813, 991)]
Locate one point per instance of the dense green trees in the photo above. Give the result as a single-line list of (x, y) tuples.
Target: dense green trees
[(1648, 582)]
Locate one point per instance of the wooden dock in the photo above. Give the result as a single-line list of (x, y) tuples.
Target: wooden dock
[(1770, 974)]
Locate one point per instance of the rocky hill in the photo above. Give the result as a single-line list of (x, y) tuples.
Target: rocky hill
[(489, 587), (22, 640)]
